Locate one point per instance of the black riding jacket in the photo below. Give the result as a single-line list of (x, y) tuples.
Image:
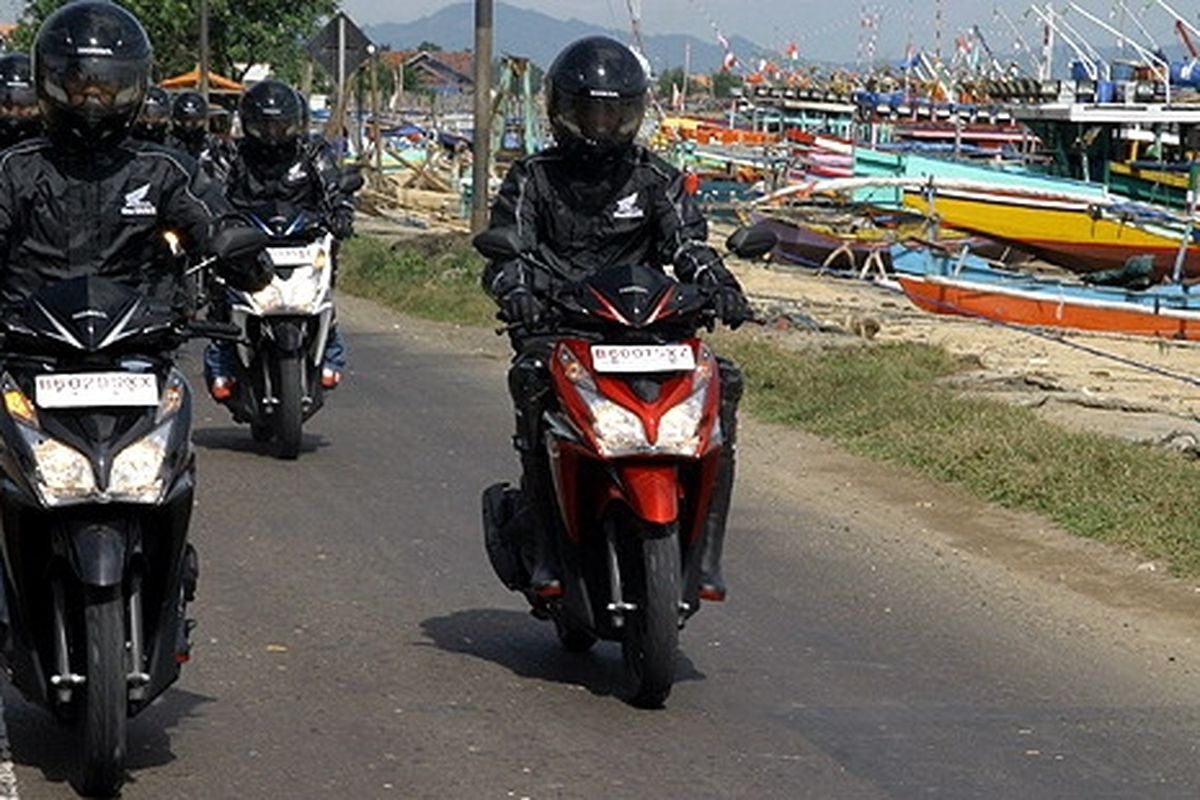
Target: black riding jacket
[(579, 219), (307, 182), (103, 212), (209, 151)]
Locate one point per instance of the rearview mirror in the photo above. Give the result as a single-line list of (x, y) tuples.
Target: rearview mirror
[(499, 243), (238, 243), (752, 242)]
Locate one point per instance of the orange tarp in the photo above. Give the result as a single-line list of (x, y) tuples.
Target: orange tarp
[(191, 80)]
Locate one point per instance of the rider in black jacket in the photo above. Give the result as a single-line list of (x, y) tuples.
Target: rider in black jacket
[(87, 199), (20, 118), (153, 122), (278, 165), (596, 199), (190, 133)]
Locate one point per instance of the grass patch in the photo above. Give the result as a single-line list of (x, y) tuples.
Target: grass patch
[(435, 277), (881, 401), (885, 402)]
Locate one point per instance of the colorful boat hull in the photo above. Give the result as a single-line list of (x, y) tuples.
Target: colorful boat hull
[(945, 283), (1069, 233)]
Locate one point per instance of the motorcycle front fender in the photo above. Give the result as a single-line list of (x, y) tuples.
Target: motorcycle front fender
[(652, 491), (98, 554), (287, 335)]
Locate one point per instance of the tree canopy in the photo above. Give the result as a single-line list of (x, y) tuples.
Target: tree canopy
[(240, 31)]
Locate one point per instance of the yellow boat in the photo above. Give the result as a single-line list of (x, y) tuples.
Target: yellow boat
[(1078, 234)]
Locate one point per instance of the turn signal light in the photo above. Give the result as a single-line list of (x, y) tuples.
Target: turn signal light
[(18, 406)]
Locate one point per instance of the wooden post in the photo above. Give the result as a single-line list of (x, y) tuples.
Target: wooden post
[(376, 125), (482, 145), (306, 80), (205, 55)]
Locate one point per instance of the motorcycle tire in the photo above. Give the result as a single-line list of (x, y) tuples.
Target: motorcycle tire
[(572, 639), (651, 577), (289, 414), (105, 712)]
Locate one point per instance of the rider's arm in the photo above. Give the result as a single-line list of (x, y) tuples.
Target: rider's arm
[(334, 202), (683, 237), (194, 205), (516, 207)]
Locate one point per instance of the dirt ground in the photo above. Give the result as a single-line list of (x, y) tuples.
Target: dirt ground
[(1117, 393)]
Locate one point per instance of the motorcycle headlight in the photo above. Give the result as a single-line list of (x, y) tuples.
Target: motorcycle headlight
[(269, 297), (298, 292), (136, 474), (679, 428), (63, 473), (618, 430)]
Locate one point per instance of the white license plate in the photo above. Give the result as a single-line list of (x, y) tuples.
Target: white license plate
[(289, 256), (97, 389), (643, 358)]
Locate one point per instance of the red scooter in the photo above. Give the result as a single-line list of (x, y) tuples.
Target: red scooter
[(634, 439)]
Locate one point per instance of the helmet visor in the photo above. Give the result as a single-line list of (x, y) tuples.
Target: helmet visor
[(604, 121), (272, 131), (18, 100), (102, 84)]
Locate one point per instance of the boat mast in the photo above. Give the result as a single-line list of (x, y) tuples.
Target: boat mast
[(1052, 27), (1153, 58), (1046, 72), (1022, 45), (1179, 18)]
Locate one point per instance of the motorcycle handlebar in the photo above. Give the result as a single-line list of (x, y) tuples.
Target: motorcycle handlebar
[(212, 329)]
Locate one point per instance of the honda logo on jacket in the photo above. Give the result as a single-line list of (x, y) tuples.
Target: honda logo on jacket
[(628, 208), (136, 204)]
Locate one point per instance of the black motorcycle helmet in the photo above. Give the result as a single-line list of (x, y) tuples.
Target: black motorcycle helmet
[(273, 120), (91, 66), (154, 120), (20, 117), (189, 116), (596, 95)]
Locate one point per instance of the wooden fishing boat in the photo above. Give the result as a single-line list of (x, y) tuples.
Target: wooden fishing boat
[(942, 281), (841, 240), (1080, 234)]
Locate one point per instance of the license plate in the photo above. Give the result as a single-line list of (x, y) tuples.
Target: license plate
[(96, 389), (289, 256), (643, 358)]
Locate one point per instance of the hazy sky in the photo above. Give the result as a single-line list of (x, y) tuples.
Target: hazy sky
[(823, 29)]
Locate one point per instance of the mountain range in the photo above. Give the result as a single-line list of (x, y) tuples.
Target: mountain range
[(523, 32)]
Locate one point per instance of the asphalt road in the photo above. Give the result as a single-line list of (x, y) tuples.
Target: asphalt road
[(883, 638)]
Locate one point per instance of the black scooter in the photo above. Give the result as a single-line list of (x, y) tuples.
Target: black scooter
[(97, 474)]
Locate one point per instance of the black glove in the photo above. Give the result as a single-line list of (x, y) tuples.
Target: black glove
[(341, 223), (728, 299), (731, 305), (520, 306)]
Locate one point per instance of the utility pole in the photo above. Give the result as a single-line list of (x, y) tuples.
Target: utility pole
[(204, 50), (481, 150), (376, 126)]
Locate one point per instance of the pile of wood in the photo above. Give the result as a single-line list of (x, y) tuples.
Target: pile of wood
[(428, 188)]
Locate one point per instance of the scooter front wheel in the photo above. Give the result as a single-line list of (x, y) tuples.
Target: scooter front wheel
[(106, 694), (289, 414), (651, 577)]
